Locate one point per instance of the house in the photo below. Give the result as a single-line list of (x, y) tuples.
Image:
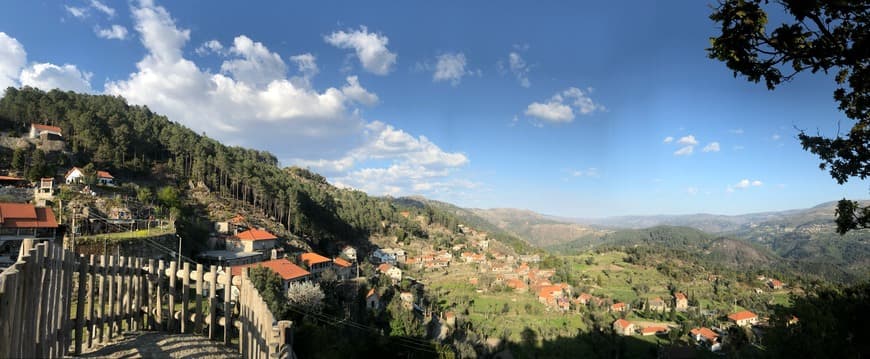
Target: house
[(450, 319), (316, 263), (343, 268), (231, 225), (744, 318), (623, 327), (530, 258), (584, 298), (349, 252), (618, 307), (518, 285), (288, 271), (550, 294), (381, 256), (372, 300), (44, 191), (653, 330), (105, 178), (19, 221), (775, 284), (706, 337), (39, 130), (23, 220), (390, 271), (252, 240), (657, 305), (77, 175), (680, 301)]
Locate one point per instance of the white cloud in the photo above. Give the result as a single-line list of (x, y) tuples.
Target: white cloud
[(12, 60), (775, 137), (736, 131), (371, 48), (688, 140), (210, 46), (668, 139), (560, 108), (744, 184), (692, 191), (47, 76), (519, 68), (96, 4), (306, 64), (711, 147), (78, 12), (685, 151), (256, 66), (114, 32), (252, 102), (450, 67)]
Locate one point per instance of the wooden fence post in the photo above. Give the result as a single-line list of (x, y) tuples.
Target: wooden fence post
[(185, 295), (80, 304), (92, 273), (228, 310), (101, 305), (212, 303), (197, 295), (172, 275)]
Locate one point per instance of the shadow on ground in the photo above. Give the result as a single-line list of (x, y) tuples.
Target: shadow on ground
[(162, 345)]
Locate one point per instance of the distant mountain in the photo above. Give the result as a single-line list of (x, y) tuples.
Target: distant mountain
[(539, 230), (820, 217)]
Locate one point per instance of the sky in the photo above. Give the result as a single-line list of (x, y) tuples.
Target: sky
[(577, 109)]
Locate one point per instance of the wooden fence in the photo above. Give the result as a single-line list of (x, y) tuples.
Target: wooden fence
[(53, 303)]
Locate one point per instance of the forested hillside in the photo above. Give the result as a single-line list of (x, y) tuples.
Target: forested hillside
[(136, 143)]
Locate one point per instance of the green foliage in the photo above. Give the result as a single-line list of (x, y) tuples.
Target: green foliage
[(403, 322), (19, 159), (39, 167), (825, 35), (271, 288), (831, 323), (169, 197)]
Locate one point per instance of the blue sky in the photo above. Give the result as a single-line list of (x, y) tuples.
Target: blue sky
[(565, 108)]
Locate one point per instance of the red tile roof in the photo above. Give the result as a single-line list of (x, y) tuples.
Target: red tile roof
[(616, 306), (25, 215), (742, 315), (10, 178), (384, 267), (371, 293), (622, 323), (39, 127), (680, 296), (311, 258), (341, 262), (104, 174), (255, 235), (705, 332), (286, 269)]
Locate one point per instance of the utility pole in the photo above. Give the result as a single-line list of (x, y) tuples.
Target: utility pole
[(179, 250)]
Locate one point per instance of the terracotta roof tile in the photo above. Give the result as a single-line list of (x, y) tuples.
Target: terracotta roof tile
[(255, 235), (742, 315), (342, 263), (311, 258), (285, 268)]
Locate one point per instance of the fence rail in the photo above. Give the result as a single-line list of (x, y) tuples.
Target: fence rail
[(53, 303)]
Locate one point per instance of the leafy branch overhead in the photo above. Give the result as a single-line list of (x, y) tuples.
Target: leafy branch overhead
[(829, 36)]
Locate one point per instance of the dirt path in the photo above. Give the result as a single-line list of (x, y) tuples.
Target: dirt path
[(162, 345)]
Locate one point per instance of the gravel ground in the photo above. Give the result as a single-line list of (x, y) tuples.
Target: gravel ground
[(162, 345)]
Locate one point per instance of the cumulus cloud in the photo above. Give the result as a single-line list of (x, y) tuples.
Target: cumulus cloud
[(450, 67), (12, 60), (688, 140), (371, 48), (711, 147), (47, 76), (210, 47), (775, 137), (685, 151), (562, 106), (589, 172), (692, 191), (668, 139), (114, 32), (14, 70), (306, 64), (744, 184), (252, 102)]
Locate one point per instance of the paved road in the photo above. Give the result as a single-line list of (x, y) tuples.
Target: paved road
[(162, 345)]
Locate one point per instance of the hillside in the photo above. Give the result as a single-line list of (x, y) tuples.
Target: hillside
[(147, 150), (539, 230)]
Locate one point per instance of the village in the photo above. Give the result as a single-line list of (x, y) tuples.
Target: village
[(388, 267)]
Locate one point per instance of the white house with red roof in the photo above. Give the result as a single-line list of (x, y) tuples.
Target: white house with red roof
[(19, 221), (743, 318), (706, 337), (390, 271), (343, 268), (252, 240), (77, 175), (39, 130), (316, 263), (288, 271), (623, 327)]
